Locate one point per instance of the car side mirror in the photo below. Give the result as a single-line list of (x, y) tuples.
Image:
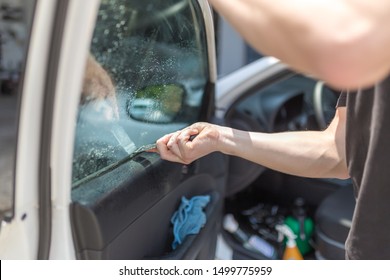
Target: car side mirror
[(156, 103)]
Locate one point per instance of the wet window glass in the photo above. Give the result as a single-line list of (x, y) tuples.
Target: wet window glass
[(15, 21), (145, 76)]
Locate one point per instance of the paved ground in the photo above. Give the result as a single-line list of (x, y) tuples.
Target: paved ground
[(7, 139)]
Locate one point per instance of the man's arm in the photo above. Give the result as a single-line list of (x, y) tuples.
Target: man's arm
[(317, 154), (343, 42)]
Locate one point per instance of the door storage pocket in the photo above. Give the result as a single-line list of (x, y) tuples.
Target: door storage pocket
[(202, 244)]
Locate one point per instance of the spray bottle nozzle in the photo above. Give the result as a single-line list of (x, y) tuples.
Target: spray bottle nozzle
[(291, 251), (287, 232)]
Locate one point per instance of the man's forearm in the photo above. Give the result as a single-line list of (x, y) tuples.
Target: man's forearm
[(308, 154), (317, 154), (330, 39)]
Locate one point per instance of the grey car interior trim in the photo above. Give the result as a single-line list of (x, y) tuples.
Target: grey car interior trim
[(209, 25), (230, 88)]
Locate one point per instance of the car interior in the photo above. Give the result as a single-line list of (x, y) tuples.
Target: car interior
[(148, 73), (260, 198)]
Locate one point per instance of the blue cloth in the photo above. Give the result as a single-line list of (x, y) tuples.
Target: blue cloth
[(189, 218)]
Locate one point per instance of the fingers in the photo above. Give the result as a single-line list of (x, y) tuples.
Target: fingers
[(177, 146), (184, 142), (172, 145), (165, 152)]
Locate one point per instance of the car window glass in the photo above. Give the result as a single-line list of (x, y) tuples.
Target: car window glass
[(145, 76), (15, 22)]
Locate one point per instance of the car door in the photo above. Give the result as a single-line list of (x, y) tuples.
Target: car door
[(149, 70), (129, 72)]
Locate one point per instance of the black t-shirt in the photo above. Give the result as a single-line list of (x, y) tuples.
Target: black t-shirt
[(368, 160)]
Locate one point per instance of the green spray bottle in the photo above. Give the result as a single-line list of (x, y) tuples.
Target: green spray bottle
[(301, 225)]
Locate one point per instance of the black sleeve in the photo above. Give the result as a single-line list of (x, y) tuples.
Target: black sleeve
[(342, 101)]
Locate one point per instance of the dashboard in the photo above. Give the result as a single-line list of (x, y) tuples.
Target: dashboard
[(296, 104)]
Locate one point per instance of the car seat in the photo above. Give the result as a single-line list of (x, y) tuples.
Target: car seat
[(333, 221)]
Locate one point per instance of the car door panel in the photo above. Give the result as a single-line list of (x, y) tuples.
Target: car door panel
[(111, 221)]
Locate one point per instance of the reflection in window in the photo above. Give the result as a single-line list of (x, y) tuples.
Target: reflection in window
[(145, 77)]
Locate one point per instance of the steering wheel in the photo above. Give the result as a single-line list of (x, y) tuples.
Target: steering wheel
[(324, 102)]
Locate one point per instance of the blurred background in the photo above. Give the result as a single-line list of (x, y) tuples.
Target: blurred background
[(15, 18)]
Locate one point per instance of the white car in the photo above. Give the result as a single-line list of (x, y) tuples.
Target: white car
[(75, 182)]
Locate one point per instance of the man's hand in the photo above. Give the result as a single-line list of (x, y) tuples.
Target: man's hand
[(190, 143)]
